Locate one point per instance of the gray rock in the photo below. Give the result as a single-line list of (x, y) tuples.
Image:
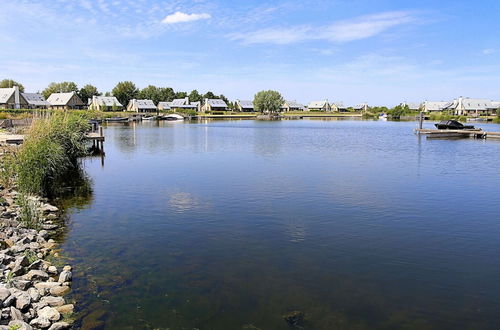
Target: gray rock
[(21, 284), (23, 301), (59, 326), (4, 294), (9, 301), (52, 270), (15, 314), (47, 208), (65, 276), (43, 234), (59, 290), (52, 301), (20, 325), (36, 265), (49, 313), (37, 275), (34, 294), (44, 287), (40, 322), (39, 305)]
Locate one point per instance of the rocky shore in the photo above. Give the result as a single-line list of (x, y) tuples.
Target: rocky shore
[(32, 289)]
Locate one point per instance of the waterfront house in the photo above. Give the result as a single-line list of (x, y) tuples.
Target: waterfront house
[(184, 104), (11, 98), (470, 107), (319, 106), (214, 105), (35, 101), (338, 106), (245, 106), (433, 106), (141, 106), (164, 106), (292, 106), (413, 106), (65, 101), (360, 107), (105, 103), (496, 106)]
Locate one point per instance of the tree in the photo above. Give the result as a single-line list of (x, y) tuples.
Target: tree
[(125, 91), (166, 94), (222, 97), (150, 93), (268, 101), (194, 96), (210, 95), (7, 83), (87, 92), (62, 87), (181, 95)]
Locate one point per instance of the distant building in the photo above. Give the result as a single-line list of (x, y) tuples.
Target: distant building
[(105, 103), (360, 107), (319, 106), (433, 106), (65, 101), (35, 101), (184, 104), (292, 106), (467, 106), (11, 98), (245, 106), (141, 106), (164, 106), (214, 105), (338, 106), (413, 106)]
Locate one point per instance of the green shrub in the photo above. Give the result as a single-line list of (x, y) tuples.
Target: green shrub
[(29, 212)]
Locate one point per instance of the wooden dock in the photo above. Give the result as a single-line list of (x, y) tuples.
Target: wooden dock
[(5, 138), (457, 133)]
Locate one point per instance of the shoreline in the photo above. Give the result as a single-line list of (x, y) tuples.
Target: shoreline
[(34, 282)]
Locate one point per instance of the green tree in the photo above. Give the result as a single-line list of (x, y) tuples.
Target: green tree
[(166, 94), (150, 93), (7, 83), (125, 91), (222, 97), (62, 87), (268, 101), (87, 91), (210, 95), (194, 96), (181, 95)]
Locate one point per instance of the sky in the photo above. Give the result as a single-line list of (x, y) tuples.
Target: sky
[(382, 52)]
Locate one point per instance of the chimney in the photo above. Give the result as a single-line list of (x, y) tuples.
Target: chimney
[(17, 102)]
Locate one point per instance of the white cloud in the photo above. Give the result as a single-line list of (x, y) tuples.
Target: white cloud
[(180, 17), (339, 32), (488, 51)]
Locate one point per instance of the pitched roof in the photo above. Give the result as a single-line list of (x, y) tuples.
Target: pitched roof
[(5, 94), (435, 106), (164, 105), (145, 104), (180, 102), (218, 103), (294, 104), (246, 104), (35, 99), (317, 104), (107, 101), (470, 104), (413, 105), (60, 98)]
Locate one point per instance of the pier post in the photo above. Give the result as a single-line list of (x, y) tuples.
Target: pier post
[(421, 120)]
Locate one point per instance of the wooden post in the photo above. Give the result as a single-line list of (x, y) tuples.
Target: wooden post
[(421, 120)]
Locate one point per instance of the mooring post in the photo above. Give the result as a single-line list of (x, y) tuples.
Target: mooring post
[(421, 120)]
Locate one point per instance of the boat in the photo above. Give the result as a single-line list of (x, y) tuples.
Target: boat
[(117, 120), (452, 124), (148, 118), (382, 116), (171, 117)]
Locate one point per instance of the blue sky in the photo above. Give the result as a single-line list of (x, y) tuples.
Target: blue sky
[(381, 52)]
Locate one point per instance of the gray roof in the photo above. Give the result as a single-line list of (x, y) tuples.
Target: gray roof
[(317, 104), (246, 104), (470, 104), (495, 104), (5, 94), (413, 105), (164, 105), (435, 106), (60, 98), (145, 104), (180, 102), (107, 101), (294, 104), (218, 103), (35, 99)]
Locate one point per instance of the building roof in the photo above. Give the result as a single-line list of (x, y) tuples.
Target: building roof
[(495, 104), (35, 99), (144, 104), (317, 104), (293, 104), (435, 106), (107, 101), (60, 98), (470, 104), (246, 104), (217, 103), (6, 94), (180, 102), (413, 105), (164, 105)]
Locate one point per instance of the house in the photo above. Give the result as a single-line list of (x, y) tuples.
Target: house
[(214, 105), (292, 106), (141, 106), (164, 106), (319, 106), (245, 106), (413, 106), (11, 98), (338, 106), (360, 107), (468, 106), (65, 101), (184, 104), (496, 106), (105, 103), (35, 101), (433, 106)]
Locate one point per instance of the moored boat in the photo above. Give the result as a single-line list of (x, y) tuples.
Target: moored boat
[(452, 124), (171, 117), (117, 120)]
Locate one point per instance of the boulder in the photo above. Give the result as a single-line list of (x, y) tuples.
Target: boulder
[(21, 284), (19, 325), (4, 294), (23, 301), (9, 301), (36, 265), (60, 291), (52, 301), (15, 314), (40, 322), (66, 309), (52, 270), (65, 276), (59, 326), (47, 208), (49, 313), (37, 275), (34, 294), (44, 287)]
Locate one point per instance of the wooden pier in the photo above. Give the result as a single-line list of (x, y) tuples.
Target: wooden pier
[(97, 137), (457, 133)]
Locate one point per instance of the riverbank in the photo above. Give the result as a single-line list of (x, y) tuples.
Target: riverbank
[(34, 281)]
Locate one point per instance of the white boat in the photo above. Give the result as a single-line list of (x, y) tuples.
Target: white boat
[(148, 118), (174, 116), (382, 116)]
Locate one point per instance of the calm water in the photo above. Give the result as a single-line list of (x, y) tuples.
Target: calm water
[(233, 224)]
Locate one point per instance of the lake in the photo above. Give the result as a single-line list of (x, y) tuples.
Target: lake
[(235, 224)]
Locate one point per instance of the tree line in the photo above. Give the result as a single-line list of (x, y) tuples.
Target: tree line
[(124, 91)]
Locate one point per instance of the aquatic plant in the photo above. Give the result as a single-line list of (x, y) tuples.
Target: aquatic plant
[(29, 212), (7, 168)]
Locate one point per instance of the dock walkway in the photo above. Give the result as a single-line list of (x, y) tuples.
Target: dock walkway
[(457, 133)]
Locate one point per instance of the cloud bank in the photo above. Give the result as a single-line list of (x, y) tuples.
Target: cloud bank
[(180, 17)]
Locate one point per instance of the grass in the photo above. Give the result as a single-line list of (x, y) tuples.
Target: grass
[(7, 167), (29, 212)]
